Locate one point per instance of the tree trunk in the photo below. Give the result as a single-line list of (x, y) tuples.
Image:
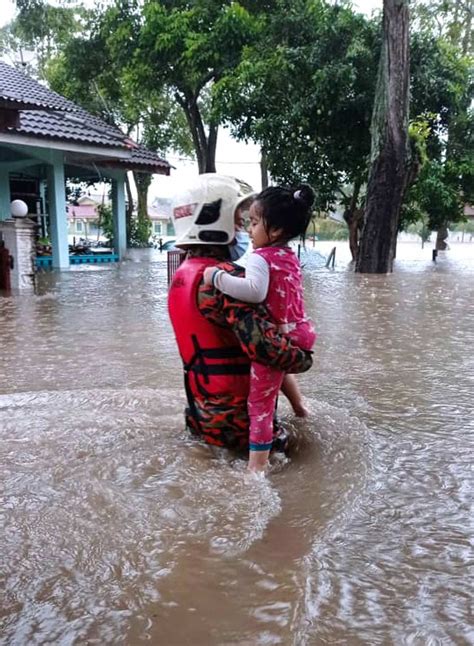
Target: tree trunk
[(354, 219), (204, 144), (441, 237), (211, 148), (129, 209), (264, 170), (143, 228), (389, 154), (142, 182), (197, 134)]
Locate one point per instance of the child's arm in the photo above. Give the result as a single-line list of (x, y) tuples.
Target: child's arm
[(251, 289)]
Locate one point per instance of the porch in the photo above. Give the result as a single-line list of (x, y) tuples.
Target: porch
[(46, 140)]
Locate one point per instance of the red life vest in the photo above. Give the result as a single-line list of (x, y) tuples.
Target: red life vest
[(215, 367)]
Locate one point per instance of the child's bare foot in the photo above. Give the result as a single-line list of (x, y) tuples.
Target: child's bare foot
[(258, 461), (301, 411)]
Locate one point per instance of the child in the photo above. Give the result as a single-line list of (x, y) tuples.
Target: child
[(272, 276)]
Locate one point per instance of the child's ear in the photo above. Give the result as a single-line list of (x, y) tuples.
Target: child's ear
[(275, 234)]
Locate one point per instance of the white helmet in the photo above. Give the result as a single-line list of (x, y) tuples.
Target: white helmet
[(203, 211)]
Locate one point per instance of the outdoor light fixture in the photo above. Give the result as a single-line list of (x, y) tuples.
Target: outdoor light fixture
[(18, 209)]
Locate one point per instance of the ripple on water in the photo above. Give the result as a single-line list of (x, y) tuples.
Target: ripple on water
[(121, 529), (94, 525), (397, 558)]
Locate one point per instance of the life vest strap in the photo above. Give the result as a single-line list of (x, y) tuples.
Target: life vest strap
[(199, 366), (225, 369), (222, 353)]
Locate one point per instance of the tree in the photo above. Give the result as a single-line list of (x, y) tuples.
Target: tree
[(444, 186), (443, 86), (187, 47), (450, 175), (389, 169), (448, 19), (43, 29), (90, 65), (94, 68), (305, 89), (304, 92)]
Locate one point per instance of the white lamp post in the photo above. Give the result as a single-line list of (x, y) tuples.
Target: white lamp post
[(18, 209)]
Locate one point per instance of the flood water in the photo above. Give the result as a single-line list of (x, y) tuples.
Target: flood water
[(119, 529)]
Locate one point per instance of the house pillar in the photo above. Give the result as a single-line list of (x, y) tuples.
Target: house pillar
[(118, 211), (43, 232), (5, 197), (57, 211), (19, 236)]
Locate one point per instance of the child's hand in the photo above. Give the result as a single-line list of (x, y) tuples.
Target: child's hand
[(208, 274)]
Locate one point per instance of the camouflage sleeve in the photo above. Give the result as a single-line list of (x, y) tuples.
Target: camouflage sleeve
[(253, 328)]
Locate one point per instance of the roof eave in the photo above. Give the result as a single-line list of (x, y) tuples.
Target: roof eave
[(162, 168), (65, 145), (24, 104)]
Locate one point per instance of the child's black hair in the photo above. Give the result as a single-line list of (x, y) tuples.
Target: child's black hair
[(286, 209)]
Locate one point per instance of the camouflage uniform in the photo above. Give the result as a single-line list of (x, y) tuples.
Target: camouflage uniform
[(223, 420)]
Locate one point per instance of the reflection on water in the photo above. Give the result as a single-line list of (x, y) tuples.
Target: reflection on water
[(119, 529)]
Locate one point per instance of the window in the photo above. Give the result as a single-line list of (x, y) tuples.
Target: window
[(79, 226), (157, 228)]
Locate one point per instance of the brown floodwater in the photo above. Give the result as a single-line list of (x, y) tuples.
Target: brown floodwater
[(117, 528)]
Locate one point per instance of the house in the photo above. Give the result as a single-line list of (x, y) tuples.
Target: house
[(45, 139), (83, 218), (160, 215)]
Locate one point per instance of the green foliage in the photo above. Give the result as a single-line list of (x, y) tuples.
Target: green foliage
[(326, 229), (441, 86), (419, 131), (466, 226), (90, 63), (93, 69), (106, 222), (444, 85), (450, 19), (304, 92), (436, 197), (183, 44), (140, 227), (185, 48), (305, 89), (420, 228), (44, 29), (295, 76), (140, 232)]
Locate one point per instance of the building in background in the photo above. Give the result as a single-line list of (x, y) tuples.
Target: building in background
[(45, 140), (160, 215), (83, 219)]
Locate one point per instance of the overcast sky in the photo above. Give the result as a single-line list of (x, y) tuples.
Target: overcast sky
[(232, 158)]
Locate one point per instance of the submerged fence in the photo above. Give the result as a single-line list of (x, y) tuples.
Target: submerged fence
[(175, 258)]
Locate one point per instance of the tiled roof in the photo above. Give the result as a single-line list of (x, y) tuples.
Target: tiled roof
[(141, 156), (66, 126), (81, 211), (21, 90), (69, 122)]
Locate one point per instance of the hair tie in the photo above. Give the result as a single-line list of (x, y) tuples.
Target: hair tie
[(297, 195)]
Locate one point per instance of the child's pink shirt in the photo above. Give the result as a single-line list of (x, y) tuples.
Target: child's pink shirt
[(284, 298)]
